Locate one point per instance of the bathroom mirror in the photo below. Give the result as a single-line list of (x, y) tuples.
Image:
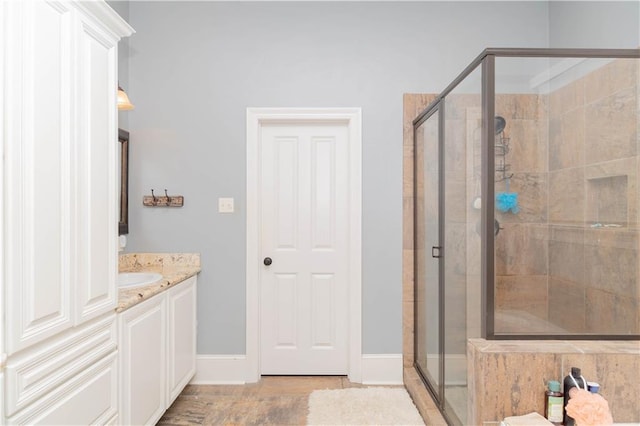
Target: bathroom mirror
[(123, 222)]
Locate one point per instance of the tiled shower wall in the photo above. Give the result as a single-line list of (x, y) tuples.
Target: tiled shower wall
[(521, 257), (551, 264), (571, 255)]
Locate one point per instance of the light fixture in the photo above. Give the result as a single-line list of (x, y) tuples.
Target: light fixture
[(124, 104)]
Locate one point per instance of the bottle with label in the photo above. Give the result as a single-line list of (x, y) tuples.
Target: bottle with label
[(574, 380), (554, 403)]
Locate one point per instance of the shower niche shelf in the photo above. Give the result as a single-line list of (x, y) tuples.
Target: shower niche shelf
[(607, 201)]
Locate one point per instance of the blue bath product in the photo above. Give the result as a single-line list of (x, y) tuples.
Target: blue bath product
[(507, 201), (573, 380)]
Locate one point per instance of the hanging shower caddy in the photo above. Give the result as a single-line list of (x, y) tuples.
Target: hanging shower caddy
[(501, 151)]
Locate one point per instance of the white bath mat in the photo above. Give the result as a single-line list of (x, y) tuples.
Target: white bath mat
[(362, 406)]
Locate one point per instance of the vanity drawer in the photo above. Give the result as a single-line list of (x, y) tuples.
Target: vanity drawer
[(48, 372), (89, 398)]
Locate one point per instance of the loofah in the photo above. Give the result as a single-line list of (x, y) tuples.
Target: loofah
[(507, 201), (588, 409)]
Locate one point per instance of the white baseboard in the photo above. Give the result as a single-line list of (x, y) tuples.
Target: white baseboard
[(232, 369), (383, 369), (220, 370)]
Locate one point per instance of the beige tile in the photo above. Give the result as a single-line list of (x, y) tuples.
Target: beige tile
[(528, 150), (513, 107), (421, 398), (615, 76), (567, 305), (499, 384), (455, 155), (566, 254), (209, 391), (626, 168), (607, 201), (458, 104), (522, 346), (612, 269), (272, 401), (629, 347), (296, 385), (191, 410), (407, 223), (622, 238), (618, 385), (611, 127), (407, 276), (511, 383), (414, 104), (522, 293), (566, 98), (455, 297), (408, 332), (521, 249), (408, 114), (455, 200), (610, 313), (268, 411), (455, 249), (567, 234), (567, 197), (532, 198), (567, 139), (407, 170), (542, 128)]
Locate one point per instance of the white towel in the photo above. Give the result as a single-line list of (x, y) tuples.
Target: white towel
[(531, 419)]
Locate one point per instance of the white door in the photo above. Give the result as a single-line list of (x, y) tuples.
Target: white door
[(304, 231)]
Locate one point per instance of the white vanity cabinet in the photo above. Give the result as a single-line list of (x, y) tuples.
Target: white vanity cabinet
[(143, 348), (181, 337), (58, 345), (157, 352)]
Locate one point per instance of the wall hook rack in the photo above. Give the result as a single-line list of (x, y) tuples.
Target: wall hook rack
[(163, 201)]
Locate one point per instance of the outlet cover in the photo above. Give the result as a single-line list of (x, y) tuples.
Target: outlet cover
[(225, 205)]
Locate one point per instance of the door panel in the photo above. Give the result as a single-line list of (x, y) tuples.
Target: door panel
[(428, 345), (96, 169), (38, 172), (304, 229)]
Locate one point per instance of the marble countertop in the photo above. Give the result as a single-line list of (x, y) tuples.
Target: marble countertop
[(174, 267)]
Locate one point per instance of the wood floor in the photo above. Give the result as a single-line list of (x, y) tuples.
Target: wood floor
[(275, 400)]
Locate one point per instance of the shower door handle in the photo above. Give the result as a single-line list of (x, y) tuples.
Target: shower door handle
[(435, 251)]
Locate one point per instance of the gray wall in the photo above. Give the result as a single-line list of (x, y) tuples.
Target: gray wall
[(196, 66), (595, 24)]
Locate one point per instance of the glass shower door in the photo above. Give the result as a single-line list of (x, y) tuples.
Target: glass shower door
[(462, 151), (428, 330)]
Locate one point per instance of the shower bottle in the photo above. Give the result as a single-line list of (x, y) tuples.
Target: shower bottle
[(553, 403), (573, 380)]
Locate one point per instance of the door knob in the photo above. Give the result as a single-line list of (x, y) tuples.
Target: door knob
[(267, 261)]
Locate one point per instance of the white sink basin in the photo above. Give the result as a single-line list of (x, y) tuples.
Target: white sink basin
[(136, 279)]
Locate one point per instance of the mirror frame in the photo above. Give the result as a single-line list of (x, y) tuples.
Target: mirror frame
[(123, 223)]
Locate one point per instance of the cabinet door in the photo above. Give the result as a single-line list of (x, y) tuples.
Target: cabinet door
[(181, 363), (142, 332), (96, 170), (38, 171)]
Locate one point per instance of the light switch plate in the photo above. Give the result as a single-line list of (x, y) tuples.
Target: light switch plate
[(225, 205)]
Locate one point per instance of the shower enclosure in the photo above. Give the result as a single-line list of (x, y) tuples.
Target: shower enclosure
[(526, 208)]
